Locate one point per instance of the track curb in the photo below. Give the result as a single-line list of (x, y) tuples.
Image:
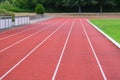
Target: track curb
[(108, 37)]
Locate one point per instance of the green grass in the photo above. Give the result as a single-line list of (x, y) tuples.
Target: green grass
[(110, 26)]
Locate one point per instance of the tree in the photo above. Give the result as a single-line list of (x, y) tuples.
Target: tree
[(118, 3), (25, 4), (105, 2), (54, 2), (36, 2), (2, 0), (77, 3), (62, 4)]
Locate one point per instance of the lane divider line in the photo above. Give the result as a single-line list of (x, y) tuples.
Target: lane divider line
[(95, 55), (25, 57), (22, 31), (22, 27), (63, 50), (26, 38), (108, 37)]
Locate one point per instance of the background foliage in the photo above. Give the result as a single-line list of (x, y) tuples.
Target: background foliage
[(62, 5), (39, 9)]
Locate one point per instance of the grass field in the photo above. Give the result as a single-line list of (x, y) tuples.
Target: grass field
[(110, 26)]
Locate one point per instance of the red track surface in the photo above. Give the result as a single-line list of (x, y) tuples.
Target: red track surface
[(58, 49)]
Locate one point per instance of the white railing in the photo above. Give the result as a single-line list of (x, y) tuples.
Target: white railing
[(6, 22), (21, 20)]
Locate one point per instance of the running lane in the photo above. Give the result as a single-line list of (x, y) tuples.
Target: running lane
[(15, 30), (107, 52), (41, 63), (12, 55), (78, 62), (69, 50), (7, 41)]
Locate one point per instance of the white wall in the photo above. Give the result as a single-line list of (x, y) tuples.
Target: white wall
[(7, 22)]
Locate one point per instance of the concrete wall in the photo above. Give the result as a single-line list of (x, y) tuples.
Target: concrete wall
[(6, 22)]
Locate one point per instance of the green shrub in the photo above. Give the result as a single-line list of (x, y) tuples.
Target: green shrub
[(11, 14), (4, 12), (40, 9), (10, 7), (6, 5)]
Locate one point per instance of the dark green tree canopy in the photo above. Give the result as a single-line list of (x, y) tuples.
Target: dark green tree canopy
[(61, 4)]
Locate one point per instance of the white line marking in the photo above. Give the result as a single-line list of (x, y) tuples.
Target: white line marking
[(25, 38), (17, 64), (21, 32), (17, 33), (90, 43), (108, 37), (63, 50), (16, 28)]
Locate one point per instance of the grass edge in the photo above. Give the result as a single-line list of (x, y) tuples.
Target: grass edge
[(108, 37)]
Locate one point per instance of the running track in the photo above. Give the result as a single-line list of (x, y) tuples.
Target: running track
[(58, 49)]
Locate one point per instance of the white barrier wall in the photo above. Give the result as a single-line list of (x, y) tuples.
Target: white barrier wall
[(7, 22), (21, 21)]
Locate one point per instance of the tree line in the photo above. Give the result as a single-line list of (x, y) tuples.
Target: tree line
[(61, 5)]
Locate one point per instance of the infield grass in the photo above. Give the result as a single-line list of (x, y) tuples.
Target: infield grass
[(110, 26)]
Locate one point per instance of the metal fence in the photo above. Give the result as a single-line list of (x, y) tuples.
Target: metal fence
[(6, 22)]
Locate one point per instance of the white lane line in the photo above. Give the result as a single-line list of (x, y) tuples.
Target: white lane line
[(17, 64), (26, 38), (21, 32), (16, 28), (63, 50), (103, 33), (90, 43)]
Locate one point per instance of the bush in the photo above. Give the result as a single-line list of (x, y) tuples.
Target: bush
[(40, 9), (6, 5), (10, 7), (4, 12)]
